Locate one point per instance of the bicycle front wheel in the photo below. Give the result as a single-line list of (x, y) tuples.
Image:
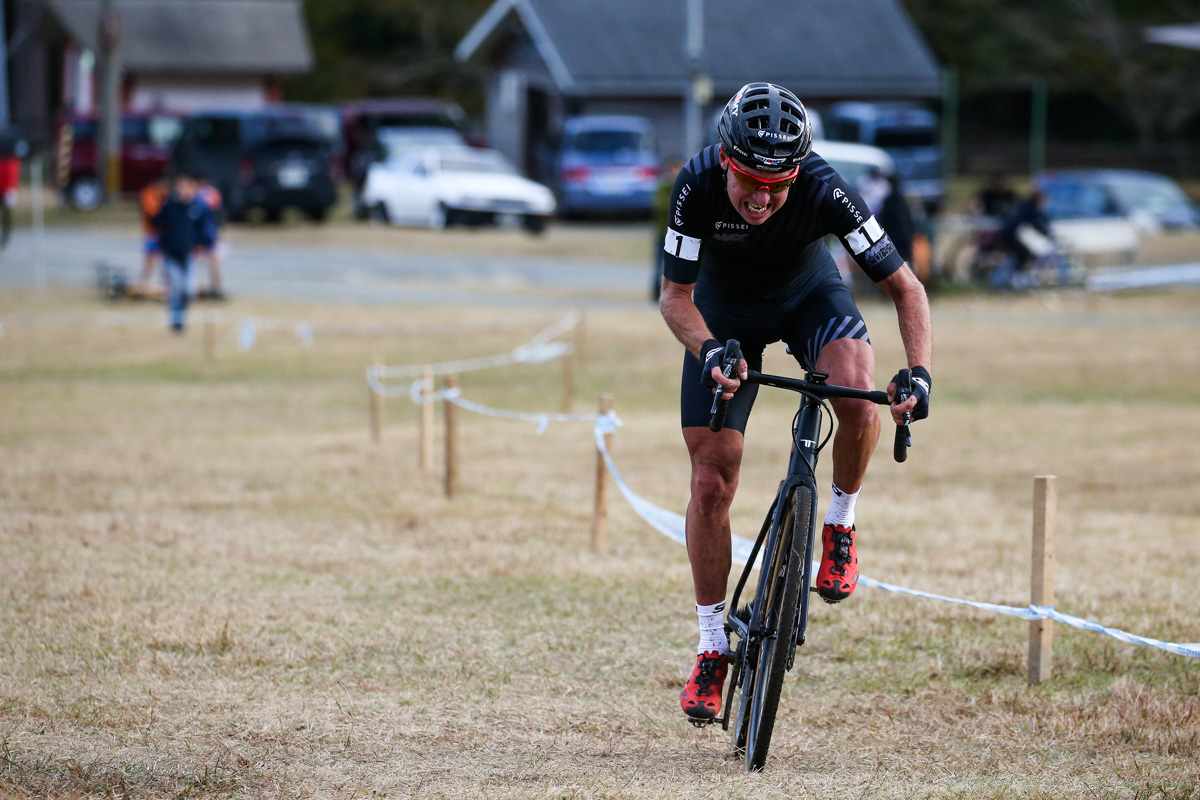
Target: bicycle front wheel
[(775, 614)]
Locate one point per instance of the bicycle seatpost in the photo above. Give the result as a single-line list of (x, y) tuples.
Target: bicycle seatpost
[(729, 365)]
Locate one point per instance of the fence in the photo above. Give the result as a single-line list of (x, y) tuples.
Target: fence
[(1040, 613)]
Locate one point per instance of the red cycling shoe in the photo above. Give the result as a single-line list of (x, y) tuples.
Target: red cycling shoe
[(701, 695), (838, 574)]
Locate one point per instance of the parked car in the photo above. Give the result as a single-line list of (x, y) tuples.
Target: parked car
[(455, 185), (908, 132), (394, 143), (271, 159), (146, 141), (1150, 202), (372, 127), (607, 165)]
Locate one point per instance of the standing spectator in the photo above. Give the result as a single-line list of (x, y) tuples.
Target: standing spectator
[(10, 178), (180, 224), (896, 217), (210, 241), (873, 188), (150, 202)]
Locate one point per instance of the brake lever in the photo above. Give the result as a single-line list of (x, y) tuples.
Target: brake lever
[(729, 365), (904, 430)]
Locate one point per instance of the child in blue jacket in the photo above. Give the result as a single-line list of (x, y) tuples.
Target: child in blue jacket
[(181, 224)]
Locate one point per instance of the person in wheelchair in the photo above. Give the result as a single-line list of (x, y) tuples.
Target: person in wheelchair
[(1013, 236)]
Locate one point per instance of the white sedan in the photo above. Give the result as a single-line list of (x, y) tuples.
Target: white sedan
[(453, 185)]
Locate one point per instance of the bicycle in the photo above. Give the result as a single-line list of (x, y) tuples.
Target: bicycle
[(775, 622)]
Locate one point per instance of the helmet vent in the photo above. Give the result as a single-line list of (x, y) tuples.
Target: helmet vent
[(788, 108), (756, 105)]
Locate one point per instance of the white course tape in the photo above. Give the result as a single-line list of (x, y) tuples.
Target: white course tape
[(668, 523), (248, 334), (535, 351), (543, 420), (671, 525)]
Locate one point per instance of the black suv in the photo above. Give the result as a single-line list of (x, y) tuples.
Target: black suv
[(274, 158)]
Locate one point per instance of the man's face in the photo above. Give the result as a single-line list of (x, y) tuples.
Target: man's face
[(754, 205)]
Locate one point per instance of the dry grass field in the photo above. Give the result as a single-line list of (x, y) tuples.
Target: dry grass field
[(215, 585)]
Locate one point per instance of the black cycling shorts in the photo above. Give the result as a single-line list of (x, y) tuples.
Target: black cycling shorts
[(826, 314)]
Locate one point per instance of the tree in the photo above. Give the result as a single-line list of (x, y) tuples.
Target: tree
[(385, 47), (1096, 47)]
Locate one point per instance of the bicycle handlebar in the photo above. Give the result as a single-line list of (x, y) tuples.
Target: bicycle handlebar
[(729, 365), (819, 390)]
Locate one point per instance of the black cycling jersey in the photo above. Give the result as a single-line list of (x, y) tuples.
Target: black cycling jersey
[(776, 263)]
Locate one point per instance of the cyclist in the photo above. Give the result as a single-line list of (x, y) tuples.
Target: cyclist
[(745, 259)]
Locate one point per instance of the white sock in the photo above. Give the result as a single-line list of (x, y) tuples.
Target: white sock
[(712, 628), (841, 508)]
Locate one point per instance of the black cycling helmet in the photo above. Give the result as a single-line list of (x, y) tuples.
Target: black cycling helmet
[(765, 127)]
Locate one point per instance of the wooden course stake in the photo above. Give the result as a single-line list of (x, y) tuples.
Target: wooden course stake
[(1041, 631), (451, 411), (376, 404), (570, 365), (210, 336), (600, 510), (568, 382), (426, 420)]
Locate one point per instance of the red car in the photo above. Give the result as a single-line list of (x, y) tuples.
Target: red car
[(146, 141)]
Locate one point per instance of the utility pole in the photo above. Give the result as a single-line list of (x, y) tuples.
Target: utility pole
[(1037, 127), (700, 86), (5, 118), (109, 139)]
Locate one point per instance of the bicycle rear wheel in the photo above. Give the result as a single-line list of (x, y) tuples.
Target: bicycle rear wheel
[(774, 610)]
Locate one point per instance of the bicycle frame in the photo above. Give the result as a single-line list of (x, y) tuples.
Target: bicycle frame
[(771, 628), (802, 468)]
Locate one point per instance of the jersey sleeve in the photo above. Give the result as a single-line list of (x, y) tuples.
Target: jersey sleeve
[(685, 228), (861, 234)]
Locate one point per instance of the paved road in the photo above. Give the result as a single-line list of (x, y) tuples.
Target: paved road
[(69, 257)]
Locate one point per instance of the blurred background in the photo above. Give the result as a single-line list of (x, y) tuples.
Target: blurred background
[(1032, 143)]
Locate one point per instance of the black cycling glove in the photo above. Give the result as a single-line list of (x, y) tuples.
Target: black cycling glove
[(710, 354), (922, 384)]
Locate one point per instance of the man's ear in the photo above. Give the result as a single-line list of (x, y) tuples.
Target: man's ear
[(724, 159)]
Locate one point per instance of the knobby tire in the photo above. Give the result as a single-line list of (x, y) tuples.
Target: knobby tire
[(763, 683)]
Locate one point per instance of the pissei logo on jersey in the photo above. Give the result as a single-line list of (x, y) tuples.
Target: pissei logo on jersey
[(845, 200), (683, 193)]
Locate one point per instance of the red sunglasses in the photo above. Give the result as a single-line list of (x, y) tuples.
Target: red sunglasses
[(753, 183)]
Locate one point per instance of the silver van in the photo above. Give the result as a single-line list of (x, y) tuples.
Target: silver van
[(907, 131)]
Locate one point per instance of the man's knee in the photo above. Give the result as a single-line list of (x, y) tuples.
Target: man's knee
[(855, 415), (713, 487)]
